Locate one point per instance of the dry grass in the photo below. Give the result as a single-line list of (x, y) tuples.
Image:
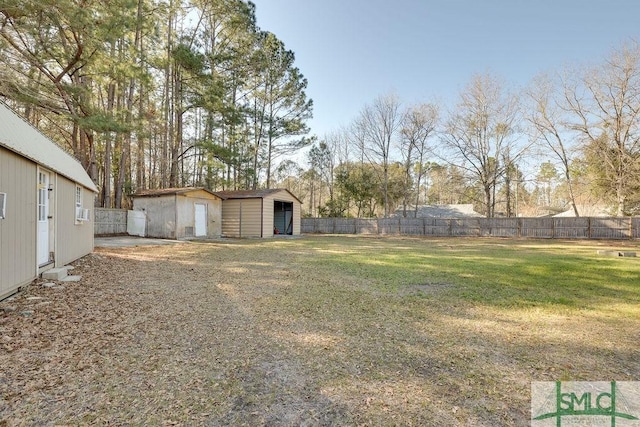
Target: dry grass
[(315, 331)]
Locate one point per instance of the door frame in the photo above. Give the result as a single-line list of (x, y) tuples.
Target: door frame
[(45, 207)]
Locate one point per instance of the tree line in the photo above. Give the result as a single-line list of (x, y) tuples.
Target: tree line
[(570, 139), (153, 93), (170, 93)]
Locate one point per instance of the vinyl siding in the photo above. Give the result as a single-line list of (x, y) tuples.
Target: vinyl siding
[(72, 240), (18, 229)]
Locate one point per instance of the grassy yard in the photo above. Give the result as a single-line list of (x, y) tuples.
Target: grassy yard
[(319, 331)]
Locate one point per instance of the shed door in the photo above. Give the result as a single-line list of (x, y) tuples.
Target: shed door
[(201, 220), (43, 218)]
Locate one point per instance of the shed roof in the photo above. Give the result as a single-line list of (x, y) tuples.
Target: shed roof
[(586, 210), (19, 136), (171, 191), (252, 194)]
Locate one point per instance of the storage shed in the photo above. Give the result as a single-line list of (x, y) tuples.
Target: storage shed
[(260, 213), (45, 202), (180, 213)]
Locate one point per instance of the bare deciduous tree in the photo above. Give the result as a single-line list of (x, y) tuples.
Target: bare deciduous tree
[(379, 124), (549, 124), (418, 126), (481, 131), (604, 102)]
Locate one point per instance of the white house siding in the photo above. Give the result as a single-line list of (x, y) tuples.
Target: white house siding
[(243, 218), (18, 229)]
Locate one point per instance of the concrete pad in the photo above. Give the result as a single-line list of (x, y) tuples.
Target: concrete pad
[(125, 241), (71, 279), (55, 274)]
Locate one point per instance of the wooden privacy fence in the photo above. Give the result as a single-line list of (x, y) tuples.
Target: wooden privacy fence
[(624, 228), (110, 221)]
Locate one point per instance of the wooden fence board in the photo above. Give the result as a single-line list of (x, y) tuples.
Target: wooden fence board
[(543, 228), (109, 221)]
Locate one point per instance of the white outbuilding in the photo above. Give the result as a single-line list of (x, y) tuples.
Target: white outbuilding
[(179, 213)]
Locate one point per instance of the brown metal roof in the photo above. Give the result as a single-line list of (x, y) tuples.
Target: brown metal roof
[(170, 191)]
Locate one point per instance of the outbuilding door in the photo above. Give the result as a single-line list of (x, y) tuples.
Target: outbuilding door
[(200, 220), (43, 217), (282, 217)]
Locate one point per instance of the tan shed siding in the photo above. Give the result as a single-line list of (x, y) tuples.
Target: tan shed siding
[(246, 210), (297, 214), (267, 210), (231, 218), (73, 240), (18, 229)]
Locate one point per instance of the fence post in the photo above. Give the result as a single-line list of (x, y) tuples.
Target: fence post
[(588, 227)]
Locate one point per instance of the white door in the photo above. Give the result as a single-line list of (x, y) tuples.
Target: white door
[(43, 217), (201, 220)]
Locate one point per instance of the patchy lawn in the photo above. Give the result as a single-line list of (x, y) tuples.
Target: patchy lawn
[(318, 331)]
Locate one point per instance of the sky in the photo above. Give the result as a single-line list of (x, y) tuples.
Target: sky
[(352, 51)]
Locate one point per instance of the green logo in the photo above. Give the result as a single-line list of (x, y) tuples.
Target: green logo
[(584, 403)]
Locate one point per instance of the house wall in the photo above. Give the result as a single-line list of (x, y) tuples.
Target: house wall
[(18, 229), (73, 239), (243, 218), (185, 205), (282, 196), (161, 215)]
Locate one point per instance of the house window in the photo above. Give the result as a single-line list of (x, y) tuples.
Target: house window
[(3, 205), (79, 211)]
